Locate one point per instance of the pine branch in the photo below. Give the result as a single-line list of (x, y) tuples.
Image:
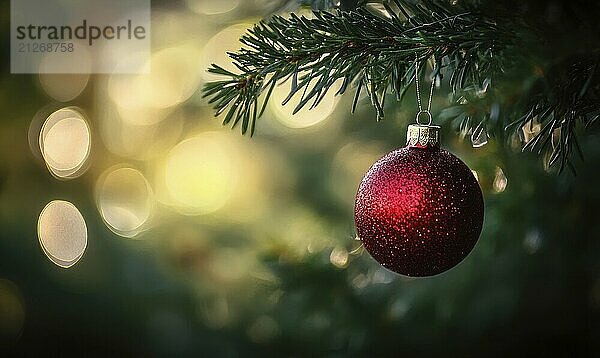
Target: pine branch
[(374, 52), (355, 47)]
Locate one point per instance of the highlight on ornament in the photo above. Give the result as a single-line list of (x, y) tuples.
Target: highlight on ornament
[(62, 233), (65, 143)]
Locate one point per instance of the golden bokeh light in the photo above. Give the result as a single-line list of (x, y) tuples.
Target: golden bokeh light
[(216, 48), (212, 7), (76, 62), (65, 143), (305, 117), (125, 200), (35, 129), (199, 174), (500, 181), (349, 166), (339, 257), (142, 115), (62, 233), (64, 87), (243, 203), (261, 174), (173, 27), (138, 141), (172, 77), (61, 139)]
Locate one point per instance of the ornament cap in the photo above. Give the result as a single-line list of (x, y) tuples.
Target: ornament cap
[(423, 136)]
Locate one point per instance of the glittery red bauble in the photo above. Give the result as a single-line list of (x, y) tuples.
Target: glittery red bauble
[(419, 211)]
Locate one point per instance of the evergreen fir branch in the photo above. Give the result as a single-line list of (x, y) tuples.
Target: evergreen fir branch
[(359, 48), (374, 52)]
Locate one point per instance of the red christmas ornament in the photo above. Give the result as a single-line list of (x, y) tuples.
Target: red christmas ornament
[(419, 209)]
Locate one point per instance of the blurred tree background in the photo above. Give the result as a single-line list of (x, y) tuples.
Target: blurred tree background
[(247, 247)]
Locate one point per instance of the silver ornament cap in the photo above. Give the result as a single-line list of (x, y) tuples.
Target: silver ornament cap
[(423, 136)]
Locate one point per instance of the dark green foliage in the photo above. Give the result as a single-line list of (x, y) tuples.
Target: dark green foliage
[(573, 99)]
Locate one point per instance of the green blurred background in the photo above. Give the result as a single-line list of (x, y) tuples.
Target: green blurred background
[(247, 247)]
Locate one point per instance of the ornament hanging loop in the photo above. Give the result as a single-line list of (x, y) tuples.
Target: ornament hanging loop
[(419, 115)]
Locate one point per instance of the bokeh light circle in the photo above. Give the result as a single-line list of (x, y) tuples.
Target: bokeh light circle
[(141, 142), (349, 166), (172, 77), (75, 62), (199, 174), (305, 117), (212, 7), (65, 143), (64, 87), (217, 47), (62, 233), (125, 200)]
